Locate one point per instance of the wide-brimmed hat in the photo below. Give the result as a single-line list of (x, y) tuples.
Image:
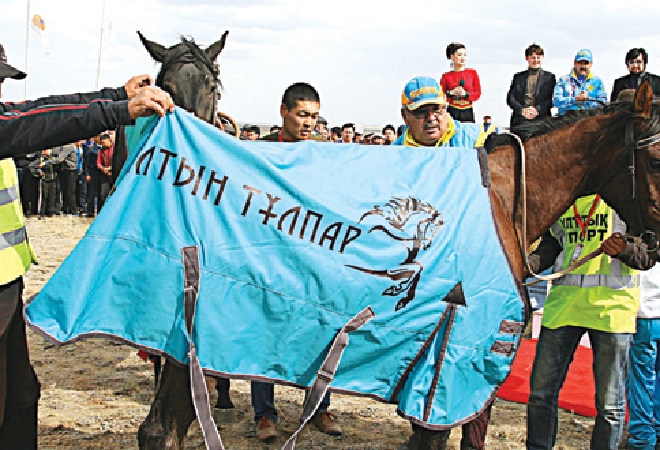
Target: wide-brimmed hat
[(7, 71)]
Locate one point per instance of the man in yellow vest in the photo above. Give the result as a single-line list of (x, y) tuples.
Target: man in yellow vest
[(24, 129), (599, 298)]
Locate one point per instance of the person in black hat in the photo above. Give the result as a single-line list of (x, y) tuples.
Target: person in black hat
[(29, 127), (7, 71)]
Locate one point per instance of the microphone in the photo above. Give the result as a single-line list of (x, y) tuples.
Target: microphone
[(461, 84)]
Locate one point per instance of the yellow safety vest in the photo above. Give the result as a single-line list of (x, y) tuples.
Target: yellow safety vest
[(602, 294), (491, 129), (16, 253)]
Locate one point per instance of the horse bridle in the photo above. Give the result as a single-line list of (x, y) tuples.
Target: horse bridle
[(631, 148), (648, 236), (190, 55)]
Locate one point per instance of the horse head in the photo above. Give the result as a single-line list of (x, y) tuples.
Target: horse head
[(634, 189), (190, 74)]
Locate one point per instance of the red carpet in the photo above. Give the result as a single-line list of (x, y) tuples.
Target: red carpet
[(576, 395)]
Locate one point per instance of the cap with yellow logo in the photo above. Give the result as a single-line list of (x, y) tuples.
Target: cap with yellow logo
[(422, 91)]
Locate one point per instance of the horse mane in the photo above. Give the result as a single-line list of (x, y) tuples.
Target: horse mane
[(621, 112), (187, 52)]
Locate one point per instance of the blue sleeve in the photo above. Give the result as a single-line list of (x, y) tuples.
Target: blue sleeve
[(601, 93), (598, 93), (561, 99)]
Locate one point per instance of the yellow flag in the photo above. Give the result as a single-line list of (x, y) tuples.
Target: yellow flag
[(39, 27)]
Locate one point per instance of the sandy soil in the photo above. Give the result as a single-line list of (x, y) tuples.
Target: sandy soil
[(96, 393)]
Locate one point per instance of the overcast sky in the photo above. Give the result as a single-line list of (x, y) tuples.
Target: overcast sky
[(358, 54)]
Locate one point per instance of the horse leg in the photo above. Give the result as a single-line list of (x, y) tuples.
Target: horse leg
[(224, 401), (157, 360), (171, 412)]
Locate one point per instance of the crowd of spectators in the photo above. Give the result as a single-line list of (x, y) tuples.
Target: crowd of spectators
[(73, 179)]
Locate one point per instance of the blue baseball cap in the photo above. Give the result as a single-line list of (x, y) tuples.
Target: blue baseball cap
[(584, 55), (422, 91)]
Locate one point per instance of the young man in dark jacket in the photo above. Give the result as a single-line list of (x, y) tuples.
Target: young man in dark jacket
[(530, 94), (636, 61)]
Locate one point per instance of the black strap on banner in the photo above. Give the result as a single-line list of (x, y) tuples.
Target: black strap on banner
[(326, 373), (198, 389)]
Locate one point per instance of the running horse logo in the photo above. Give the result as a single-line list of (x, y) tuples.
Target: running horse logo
[(413, 223)]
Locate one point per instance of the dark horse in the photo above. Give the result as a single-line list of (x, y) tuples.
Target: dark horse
[(613, 151), (191, 76)]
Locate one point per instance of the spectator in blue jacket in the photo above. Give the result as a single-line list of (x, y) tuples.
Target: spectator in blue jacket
[(580, 89)]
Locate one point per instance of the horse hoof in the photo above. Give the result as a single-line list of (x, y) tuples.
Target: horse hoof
[(224, 416)]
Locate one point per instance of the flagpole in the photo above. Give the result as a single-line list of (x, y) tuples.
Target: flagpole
[(27, 47), (98, 65)]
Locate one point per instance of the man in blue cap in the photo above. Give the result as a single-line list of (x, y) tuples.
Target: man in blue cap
[(424, 111), (428, 124), (580, 89)]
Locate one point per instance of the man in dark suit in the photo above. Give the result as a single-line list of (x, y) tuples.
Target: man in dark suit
[(636, 61), (530, 94)]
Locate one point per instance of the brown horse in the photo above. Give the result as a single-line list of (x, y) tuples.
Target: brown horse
[(614, 151)]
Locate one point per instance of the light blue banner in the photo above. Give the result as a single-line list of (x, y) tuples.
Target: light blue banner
[(294, 240)]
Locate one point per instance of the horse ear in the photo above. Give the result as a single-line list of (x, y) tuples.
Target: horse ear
[(214, 49), (643, 103), (156, 50)]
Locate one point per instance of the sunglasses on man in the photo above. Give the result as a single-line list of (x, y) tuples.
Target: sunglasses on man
[(423, 112)]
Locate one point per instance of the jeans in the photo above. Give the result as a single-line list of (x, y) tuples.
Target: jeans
[(263, 401), (93, 188), (643, 386), (554, 353)]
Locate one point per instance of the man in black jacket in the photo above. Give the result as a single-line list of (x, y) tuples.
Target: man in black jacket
[(25, 128), (530, 94), (636, 61), (68, 176)]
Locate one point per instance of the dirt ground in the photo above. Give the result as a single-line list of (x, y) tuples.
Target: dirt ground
[(95, 393)]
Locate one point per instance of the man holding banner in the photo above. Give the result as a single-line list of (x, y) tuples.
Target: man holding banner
[(428, 124), (299, 111), (24, 129)]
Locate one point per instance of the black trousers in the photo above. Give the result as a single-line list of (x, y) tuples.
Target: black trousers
[(48, 197), (473, 434), (68, 181), (29, 193), (462, 115), (19, 387), (105, 184), (93, 188)]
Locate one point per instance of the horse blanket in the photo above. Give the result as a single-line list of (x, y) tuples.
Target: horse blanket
[(293, 240)]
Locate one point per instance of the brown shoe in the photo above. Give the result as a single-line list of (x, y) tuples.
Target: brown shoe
[(325, 422), (266, 430)]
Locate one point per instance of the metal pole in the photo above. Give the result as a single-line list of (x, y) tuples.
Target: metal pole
[(98, 65), (27, 47)]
